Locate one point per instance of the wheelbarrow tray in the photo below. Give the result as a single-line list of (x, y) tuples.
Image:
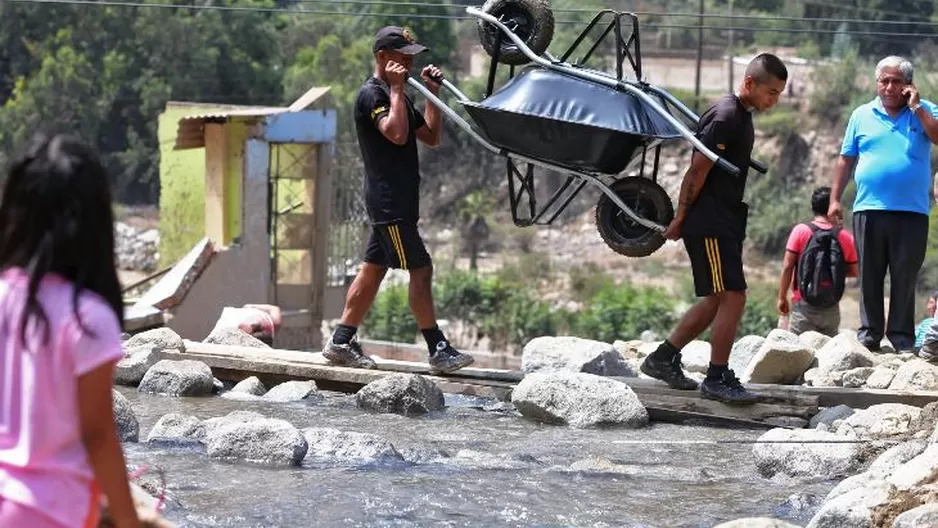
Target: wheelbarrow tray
[(568, 121)]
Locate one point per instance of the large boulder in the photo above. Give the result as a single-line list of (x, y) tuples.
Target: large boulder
[(134, 366), (405, 394), (779, 361), (178, 378), (251, 385), (349, 446), (177, 428), (822, 455), (884, 421), (579, 400), (916, 375), (266, 441), (573, 354), (128, 428), (842, 353), (743, 351), (291, 391), (233, 337), (162, 338)]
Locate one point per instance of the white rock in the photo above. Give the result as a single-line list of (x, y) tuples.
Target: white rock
[(880, 378), (822, 455), (743, 351), (881, 421), (573, 354), (916, 375), (779, 361), (578, 399)]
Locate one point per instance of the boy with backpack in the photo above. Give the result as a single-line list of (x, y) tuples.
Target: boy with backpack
[(818, 259)]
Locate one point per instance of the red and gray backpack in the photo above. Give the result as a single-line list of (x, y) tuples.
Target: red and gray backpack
[(822, 268)]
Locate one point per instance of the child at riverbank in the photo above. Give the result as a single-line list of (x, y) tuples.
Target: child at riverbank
[(61, 314)]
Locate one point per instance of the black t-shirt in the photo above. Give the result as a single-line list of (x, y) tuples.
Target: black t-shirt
[(726, 129), (392, 172)]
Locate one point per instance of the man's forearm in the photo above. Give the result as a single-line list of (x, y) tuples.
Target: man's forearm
[(841, 172), (690, 190), (784, 282), (929, 123), (434, 118), (397, 116)]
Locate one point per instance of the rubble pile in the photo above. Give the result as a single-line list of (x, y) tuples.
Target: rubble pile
[(137, 249)]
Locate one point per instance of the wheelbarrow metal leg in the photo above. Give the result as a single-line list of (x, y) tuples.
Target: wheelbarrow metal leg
[(598, 183)]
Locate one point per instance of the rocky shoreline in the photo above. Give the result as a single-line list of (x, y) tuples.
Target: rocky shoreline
[(885, 456)]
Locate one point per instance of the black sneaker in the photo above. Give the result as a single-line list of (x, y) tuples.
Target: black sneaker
[(727, 389), (446, 359), (669, 371), (348, 355), (871, 345)]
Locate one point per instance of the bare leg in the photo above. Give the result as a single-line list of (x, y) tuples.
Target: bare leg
[(695, 321), (421, 297), (362, 293), (731, 306)]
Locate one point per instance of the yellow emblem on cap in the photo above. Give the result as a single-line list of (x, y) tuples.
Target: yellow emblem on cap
[(408, 35)]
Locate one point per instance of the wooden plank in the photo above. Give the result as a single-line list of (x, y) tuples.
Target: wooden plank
[(295, 231), (235, 369), (172, 288), (478, 382)]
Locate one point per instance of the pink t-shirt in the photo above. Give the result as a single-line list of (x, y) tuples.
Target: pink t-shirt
[(43, 462), (798, 241)]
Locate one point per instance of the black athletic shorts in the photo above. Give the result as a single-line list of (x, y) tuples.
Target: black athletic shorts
[(397, 245), (717, 263)]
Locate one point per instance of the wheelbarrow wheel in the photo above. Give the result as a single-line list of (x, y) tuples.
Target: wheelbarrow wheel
[(624, 235), (531, 20)]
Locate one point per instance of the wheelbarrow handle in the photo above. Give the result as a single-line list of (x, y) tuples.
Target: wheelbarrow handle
[(759, 166), (728, 167)]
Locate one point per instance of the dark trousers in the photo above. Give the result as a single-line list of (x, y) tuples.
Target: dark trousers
[(895, 240)]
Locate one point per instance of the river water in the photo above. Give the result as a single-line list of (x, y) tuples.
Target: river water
[(501, 470)]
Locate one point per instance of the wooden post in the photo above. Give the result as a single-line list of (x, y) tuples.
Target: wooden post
[(216, 170)]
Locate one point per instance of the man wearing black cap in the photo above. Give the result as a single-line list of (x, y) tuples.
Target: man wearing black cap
[(388, 127)]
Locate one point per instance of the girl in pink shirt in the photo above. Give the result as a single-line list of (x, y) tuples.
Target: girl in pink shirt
[(61, 314)]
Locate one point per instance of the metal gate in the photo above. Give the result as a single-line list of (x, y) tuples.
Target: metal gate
[(317, 227)]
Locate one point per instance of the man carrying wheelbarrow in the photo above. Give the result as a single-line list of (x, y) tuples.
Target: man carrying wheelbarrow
[(388, 128), (711, 218)]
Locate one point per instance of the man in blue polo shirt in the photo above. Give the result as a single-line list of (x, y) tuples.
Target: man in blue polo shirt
[(888, 141)]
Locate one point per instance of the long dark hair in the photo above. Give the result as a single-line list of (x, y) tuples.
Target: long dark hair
[(55, 217)]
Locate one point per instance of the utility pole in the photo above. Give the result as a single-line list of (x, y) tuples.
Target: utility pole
[(699, 59), (730, 50)]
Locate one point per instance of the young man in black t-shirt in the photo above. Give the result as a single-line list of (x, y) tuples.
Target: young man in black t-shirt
[(711, 218), (388, 127)]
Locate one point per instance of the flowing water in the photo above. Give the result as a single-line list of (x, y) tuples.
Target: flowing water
[(502, 470)]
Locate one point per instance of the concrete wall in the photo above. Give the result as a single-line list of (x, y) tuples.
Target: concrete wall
[(240, 273)]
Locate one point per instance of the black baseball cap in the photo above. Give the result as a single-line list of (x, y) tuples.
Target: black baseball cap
[(397, 39)]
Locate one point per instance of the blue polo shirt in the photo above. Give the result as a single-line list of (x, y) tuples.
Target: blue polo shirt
[(893, 169)]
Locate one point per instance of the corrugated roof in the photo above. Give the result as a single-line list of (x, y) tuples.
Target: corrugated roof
[(191, 131)]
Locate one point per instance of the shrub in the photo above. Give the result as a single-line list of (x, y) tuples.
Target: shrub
[(781, 122), (624, 312), (390, 318)]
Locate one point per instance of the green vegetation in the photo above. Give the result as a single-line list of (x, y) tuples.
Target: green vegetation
[(510, 309)]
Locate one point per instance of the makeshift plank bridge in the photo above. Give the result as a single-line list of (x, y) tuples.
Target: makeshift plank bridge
[(233, 363)]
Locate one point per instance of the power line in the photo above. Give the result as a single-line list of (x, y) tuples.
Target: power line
[(649, 13), (111, 3)]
